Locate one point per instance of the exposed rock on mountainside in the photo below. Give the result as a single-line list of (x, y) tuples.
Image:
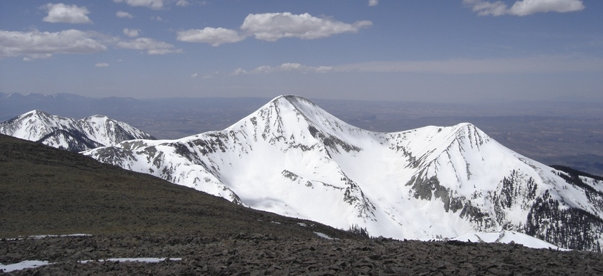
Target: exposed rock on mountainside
[(293, 158), (69, 134)]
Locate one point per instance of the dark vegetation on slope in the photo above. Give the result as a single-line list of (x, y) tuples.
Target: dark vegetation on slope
[(574, 174), (49, 191)]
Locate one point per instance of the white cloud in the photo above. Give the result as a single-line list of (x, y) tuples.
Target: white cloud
[(482, 7), (527, 7), (197, 75), (209, 35), (101, 65), (285, 67), (151, 4), (523, 7), (61, 13), (182, 3), (131, 32), (123, 14), (149, 45), (274, 26), (36, 44), (373, 3)]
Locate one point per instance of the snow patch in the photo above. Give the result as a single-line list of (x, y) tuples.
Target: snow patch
[(140, 260), (507, 237), (323, 235), (37, 237), (35, 263), (22, 265)]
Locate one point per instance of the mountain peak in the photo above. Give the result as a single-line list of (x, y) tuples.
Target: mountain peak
[(293, 158), (36, 113), (465, 125), (68, 133), (289, 97), (288, 111), (98, 116), (297, 103), (472, 133)]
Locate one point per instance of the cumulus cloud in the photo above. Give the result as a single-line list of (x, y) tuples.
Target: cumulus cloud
[(101, 64), (209, 35), (284, 67), (149, 45), (61, 13), (274, 26), (36, 44), (123, 14), (151, 4), (523, 7), (527, 7), (131, 32), (373, 3)]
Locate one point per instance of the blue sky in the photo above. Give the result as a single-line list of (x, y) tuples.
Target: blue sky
[(440, 51)]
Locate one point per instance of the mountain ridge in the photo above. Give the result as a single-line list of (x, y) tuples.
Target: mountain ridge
[(293, 158), (70, 134), (47, 191)]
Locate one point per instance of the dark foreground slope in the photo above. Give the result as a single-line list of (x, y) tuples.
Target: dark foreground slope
[(47, 191)]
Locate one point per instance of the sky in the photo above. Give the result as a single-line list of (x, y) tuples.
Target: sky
[(392, 50)]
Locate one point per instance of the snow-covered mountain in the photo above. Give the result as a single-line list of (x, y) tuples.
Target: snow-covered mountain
[(293, 158), (70, 134)]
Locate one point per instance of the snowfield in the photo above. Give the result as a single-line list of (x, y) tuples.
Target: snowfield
[(293, 158)]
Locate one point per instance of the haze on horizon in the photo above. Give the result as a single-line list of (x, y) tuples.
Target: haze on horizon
[(438, 51)]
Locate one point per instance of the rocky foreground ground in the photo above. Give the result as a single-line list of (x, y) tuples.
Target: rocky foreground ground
[(264, 254)]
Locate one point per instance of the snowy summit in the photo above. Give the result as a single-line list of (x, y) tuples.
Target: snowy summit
[(293, 158), (69, 134)]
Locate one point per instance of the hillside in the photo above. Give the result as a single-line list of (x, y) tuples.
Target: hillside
[(131, 215), (51, 191)]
